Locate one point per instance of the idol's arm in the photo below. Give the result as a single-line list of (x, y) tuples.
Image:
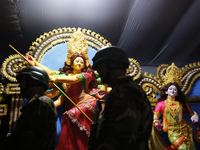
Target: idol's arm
[(33, 62), (156, 122), (72, 79), (60, 101), (157, 113), (53, 93)]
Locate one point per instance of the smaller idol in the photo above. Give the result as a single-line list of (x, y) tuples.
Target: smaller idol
[(172, 106)]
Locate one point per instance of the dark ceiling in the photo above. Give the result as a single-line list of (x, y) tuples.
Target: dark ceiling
[(153, 32)]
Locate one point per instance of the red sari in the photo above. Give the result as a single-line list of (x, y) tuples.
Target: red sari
[(75, 126)]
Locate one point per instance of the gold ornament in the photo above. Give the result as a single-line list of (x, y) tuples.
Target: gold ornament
[(172, 75), (77, 45), (173, 107), (157, 114), (171, 98)]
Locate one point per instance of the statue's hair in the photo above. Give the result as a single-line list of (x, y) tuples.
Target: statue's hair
[(180, 97), (67, 69)]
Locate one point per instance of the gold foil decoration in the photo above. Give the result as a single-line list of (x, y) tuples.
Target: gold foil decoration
[(77, 44), (172, 75)]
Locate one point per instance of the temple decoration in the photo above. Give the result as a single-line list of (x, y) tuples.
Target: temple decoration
[(12, 88), (134, 69), (189, 74), (3, 110), (11, 66), (1, 91)]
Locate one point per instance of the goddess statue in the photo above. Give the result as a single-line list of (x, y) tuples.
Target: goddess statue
[(171, 106), (79, 81)]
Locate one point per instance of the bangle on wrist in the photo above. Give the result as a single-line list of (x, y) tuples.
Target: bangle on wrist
[(102, 100), (156, 121)]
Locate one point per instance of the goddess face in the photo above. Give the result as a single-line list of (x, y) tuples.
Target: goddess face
[(78, 63), (172, 91)]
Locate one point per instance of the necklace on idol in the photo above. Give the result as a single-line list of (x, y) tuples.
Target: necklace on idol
[(172, 105)]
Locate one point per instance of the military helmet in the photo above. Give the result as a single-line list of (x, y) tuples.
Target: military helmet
[(35, 73), (113, 53)]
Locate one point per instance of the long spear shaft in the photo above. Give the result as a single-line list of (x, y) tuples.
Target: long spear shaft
[(56, 87), (71, 101), (18, 52)]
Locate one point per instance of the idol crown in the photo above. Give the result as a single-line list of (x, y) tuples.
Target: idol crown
[(77, 44), (172, 75)]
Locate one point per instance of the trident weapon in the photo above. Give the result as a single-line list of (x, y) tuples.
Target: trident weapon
[(56, 87)]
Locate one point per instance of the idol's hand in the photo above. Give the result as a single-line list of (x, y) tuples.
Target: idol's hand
[(159, 126), (31, 60), (101, 94), (194, 118), (52, 78)]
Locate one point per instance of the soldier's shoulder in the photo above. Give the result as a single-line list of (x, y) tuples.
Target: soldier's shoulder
[(46, 99), (48, 104)]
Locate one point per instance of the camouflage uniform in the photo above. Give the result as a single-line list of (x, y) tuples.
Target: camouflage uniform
[(127, 119), (36, 127)]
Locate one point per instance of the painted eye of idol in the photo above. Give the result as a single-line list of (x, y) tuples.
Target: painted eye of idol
[(172, 91), (78, 63)]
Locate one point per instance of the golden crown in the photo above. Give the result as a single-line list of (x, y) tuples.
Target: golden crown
[(172, 75), (77, 44)]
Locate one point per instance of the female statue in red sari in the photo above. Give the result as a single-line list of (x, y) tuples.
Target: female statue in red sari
[(78, 81)]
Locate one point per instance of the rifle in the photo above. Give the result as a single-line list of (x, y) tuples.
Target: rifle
[(93, 128), (197, 135)]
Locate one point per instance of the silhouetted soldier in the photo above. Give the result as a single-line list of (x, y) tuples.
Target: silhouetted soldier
[(36, 127), (126, 122)]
